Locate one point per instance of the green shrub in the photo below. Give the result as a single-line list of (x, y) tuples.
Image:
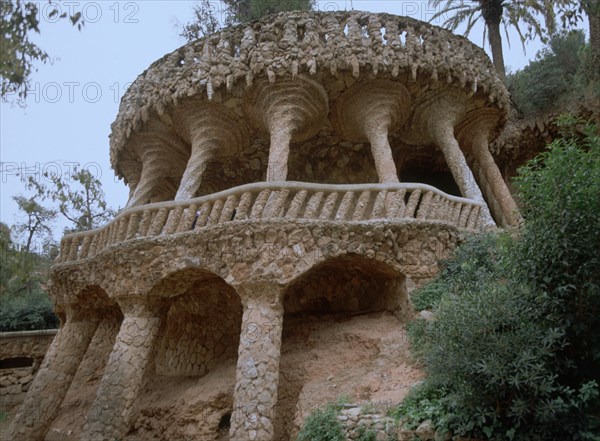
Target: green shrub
[(365, 434), (472, 262), (418, 336), (322, 425), (27, 311), (424, 402), (560, 248), (514, 350)]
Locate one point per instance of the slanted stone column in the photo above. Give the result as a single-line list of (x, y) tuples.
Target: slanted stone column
[(164, 157), (213, 131), (257, 375), (54, 377), (436, 114), (473, 133), (110, 414), (131, 169), (289, 110), (370, 112)]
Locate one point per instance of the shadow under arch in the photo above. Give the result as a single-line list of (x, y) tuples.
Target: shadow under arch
[(347, 284), (194, 360), (319, 306)]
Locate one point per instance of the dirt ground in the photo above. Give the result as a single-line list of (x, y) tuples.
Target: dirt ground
[(360, 358)]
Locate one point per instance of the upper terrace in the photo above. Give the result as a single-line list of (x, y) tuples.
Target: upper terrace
[(335, 98)]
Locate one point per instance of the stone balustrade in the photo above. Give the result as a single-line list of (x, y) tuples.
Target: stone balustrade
[(293, 201)]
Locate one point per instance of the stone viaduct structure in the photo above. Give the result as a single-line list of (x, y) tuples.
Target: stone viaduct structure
[(306, 162)]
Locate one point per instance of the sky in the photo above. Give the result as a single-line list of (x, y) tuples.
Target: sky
[(73, 101)]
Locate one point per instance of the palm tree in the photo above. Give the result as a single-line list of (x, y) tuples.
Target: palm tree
[(509, 13)]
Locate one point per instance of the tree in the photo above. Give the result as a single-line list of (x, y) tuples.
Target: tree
[(37, 220), (247, 10), (79, 196), (508, 13), (559, 74), (18, 19), (570, 12), (206, 14)]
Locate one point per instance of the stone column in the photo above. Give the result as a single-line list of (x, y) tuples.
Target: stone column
[(164, 158), (370, 112), (473, 133), (213, 131), (110, 414), (257, 375), (54, 377), (289, 110), (436, 114)]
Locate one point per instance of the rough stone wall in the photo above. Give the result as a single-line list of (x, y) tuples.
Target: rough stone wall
[(15, 382), (354, 417), (202, 329)]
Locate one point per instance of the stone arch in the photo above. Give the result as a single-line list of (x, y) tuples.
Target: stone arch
[(350, 292), (193, 365), (317, 307)]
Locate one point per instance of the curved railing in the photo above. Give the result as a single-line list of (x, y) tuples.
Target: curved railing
[(293, 201), (303, 42)]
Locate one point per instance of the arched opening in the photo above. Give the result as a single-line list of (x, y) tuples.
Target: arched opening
[(189, 390), (340, 319)]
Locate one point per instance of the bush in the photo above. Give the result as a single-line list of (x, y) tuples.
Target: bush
[(322, 425), (473, 262), (514, 350), (28, 311), (560, 247)]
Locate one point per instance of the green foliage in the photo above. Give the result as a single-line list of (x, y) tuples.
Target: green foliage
[(365, 434), (522, 15), (206, 16), (510, 13), (36, 223), (322, 425), (424, 402), (26, 312), (513, 352), (560, 73), (23, 303), (18, 20), (472, 264), (416, 332), (561, 238), (248, 10), (79, 196)]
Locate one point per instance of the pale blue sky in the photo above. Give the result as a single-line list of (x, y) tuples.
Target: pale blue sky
[(74, 100)]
